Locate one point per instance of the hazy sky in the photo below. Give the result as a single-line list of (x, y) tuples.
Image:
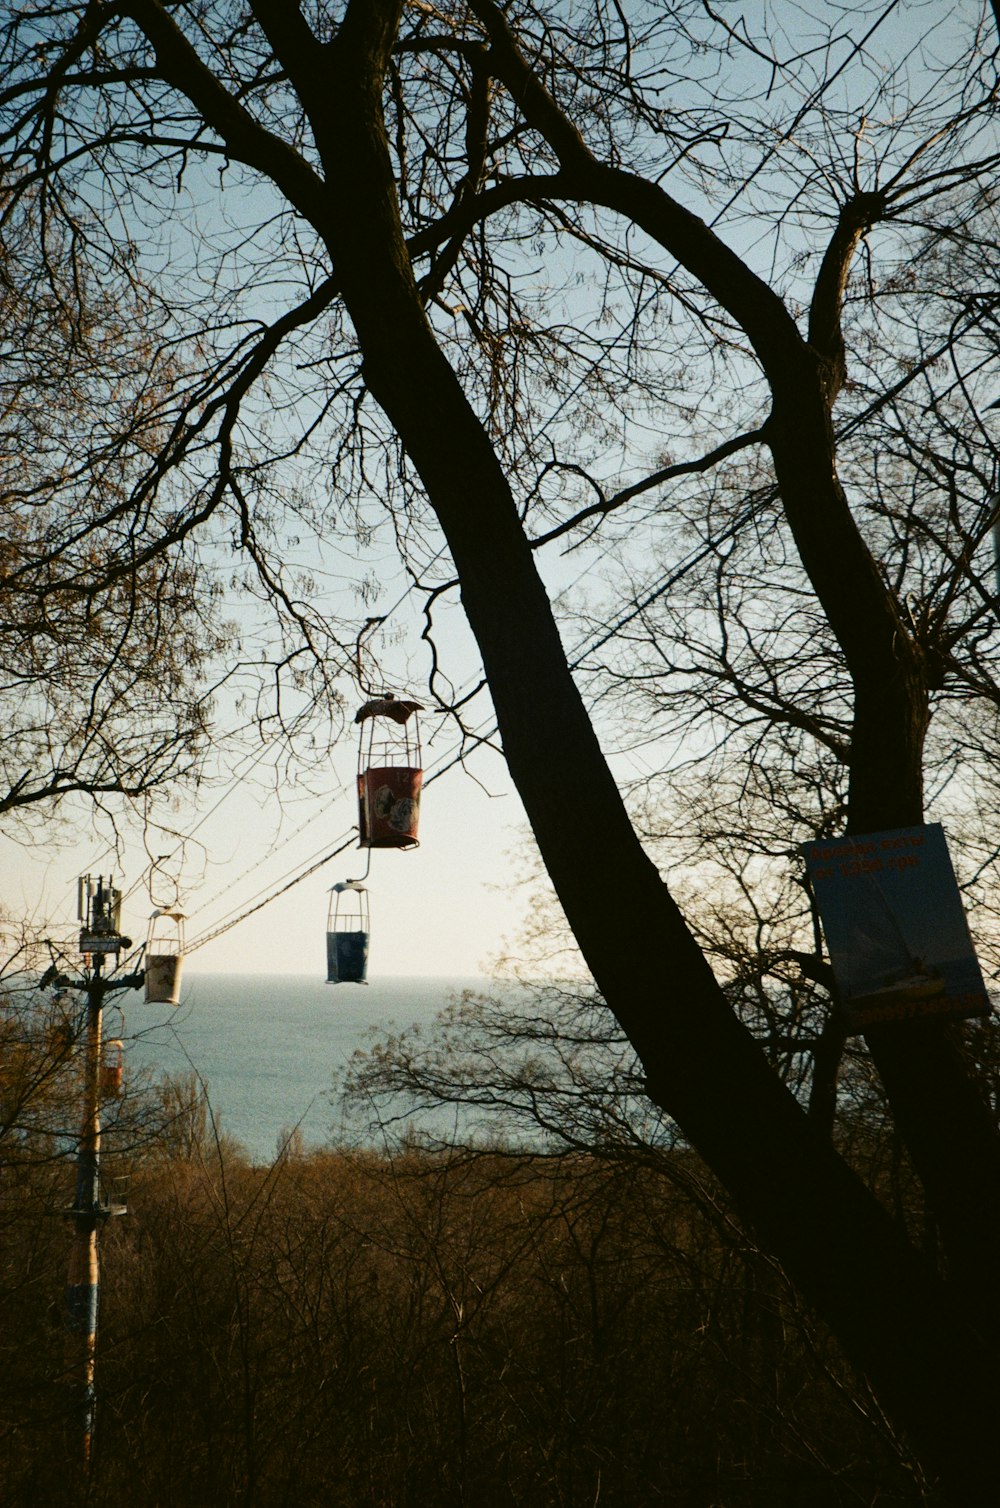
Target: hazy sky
[(443, 908)]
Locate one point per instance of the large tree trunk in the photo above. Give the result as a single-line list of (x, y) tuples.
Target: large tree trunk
[(938, 1107), (939, 1110), (895, 1319)]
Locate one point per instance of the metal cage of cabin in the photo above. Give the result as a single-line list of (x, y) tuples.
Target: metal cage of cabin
[(390, 777), (164, 956)]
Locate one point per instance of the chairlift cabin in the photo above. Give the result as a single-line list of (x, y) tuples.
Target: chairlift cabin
[(164, 957), (112, 1069), (390, 773), (348, 930)]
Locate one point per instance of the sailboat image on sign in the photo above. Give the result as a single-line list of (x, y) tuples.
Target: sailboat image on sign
[(898, 973)]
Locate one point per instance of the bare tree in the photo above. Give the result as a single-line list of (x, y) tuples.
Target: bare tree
[(103, 648), (396, 204)]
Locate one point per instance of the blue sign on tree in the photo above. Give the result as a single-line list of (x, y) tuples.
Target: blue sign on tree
[(895, 926)]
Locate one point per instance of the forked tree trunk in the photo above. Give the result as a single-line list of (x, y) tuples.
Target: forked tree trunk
[(939, 1108), (929, 1363), (894, 1318)]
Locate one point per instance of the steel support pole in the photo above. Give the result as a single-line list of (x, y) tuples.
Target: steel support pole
[(83, 1279)]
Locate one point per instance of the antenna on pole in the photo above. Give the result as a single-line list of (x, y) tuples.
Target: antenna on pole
[(100, 908)]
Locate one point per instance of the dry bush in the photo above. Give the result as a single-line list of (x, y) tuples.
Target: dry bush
[(360, 1330)]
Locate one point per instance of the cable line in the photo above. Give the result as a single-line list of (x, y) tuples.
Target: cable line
[(444, 763), (208, 937)]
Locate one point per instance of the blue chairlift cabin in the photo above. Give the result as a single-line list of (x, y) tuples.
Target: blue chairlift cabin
[(348, 930)]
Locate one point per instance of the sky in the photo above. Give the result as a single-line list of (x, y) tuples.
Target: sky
[(449, 907)]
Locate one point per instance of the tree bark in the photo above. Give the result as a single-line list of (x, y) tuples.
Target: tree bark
[(896, 1320), (940, 1112), (938, 1109)]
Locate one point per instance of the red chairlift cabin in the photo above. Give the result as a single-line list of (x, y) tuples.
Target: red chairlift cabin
[(112, 1069), (389, 773)]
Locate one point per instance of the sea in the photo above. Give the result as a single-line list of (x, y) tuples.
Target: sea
[(267, 1046)]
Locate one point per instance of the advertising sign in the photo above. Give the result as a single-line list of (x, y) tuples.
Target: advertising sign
[(895, 926)]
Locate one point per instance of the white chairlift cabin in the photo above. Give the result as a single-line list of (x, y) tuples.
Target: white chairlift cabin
[(164, 956)]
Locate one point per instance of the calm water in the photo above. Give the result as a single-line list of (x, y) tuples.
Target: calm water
[(267, 1045)]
